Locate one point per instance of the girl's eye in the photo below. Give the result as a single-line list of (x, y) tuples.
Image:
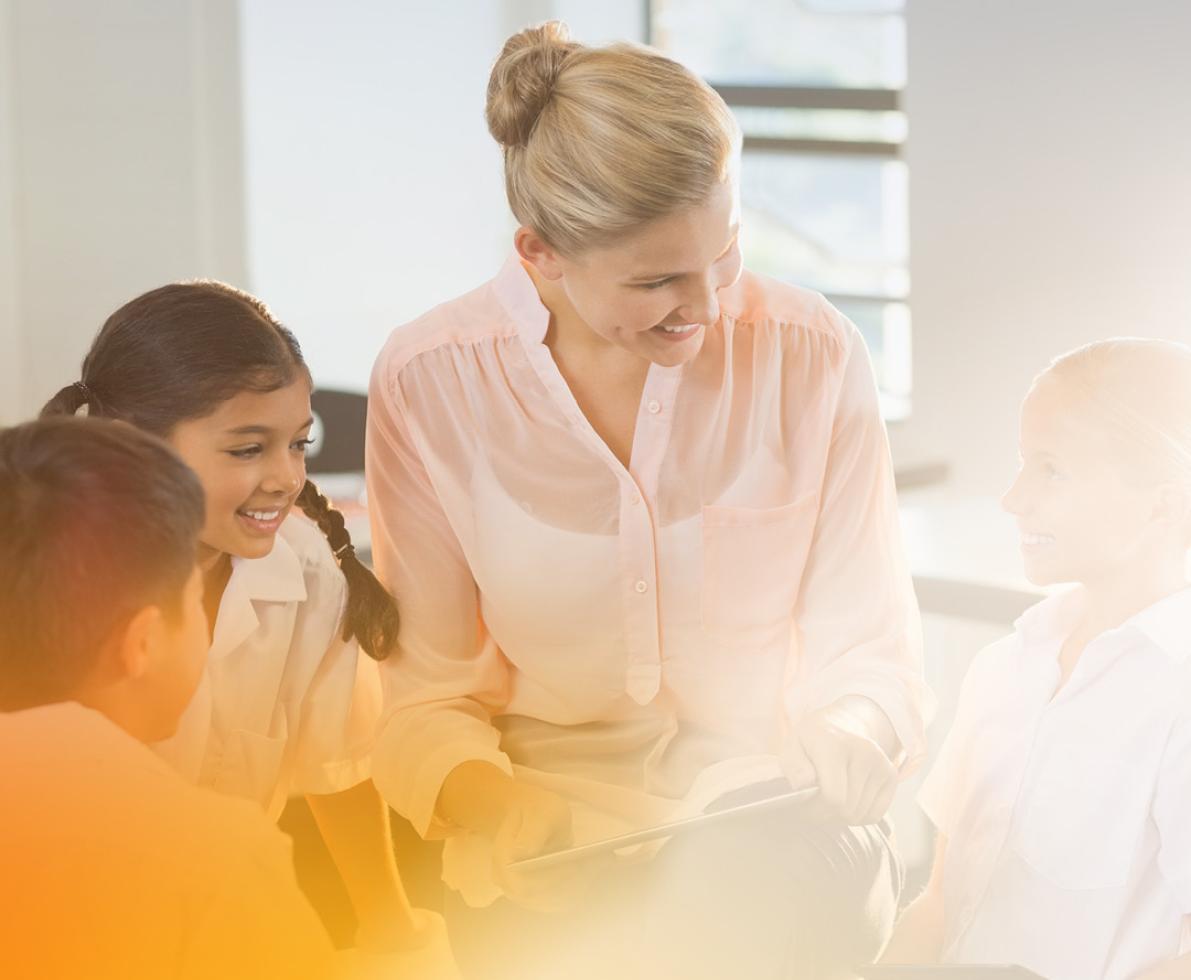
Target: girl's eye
[(658, 284), (302, 445), (248, 452)]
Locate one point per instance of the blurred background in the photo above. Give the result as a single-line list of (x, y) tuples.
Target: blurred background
[(980, 186)]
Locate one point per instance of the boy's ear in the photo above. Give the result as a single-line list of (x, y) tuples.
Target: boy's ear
[(534, 250), (134, 647)]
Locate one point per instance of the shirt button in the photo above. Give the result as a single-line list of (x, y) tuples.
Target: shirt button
[(654, 407), (641, 586), (634, 497)]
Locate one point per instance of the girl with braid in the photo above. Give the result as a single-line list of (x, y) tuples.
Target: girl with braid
[(287, 704)]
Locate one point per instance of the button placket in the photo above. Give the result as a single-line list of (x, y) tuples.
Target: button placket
[(638, 534)]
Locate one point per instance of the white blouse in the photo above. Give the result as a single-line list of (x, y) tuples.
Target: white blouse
[(285, 705)]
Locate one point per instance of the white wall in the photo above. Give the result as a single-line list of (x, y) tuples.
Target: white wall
[(12, 340), (1050, 181), (350, 180), (119, 146), (374, 189), (1049, 154)]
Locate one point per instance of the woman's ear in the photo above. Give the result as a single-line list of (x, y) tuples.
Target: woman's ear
[(537, 252)]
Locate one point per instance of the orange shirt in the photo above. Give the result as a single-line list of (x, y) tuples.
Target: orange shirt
[(113, 866)]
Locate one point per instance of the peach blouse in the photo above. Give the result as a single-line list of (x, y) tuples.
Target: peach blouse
[(639, 640)]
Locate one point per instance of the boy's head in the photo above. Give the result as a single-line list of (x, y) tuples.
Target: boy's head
[(1104, 489), (100, 599)]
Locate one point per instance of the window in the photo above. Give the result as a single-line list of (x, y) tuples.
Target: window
[(816, 86)]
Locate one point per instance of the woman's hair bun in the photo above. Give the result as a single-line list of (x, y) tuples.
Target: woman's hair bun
[(523, 80)]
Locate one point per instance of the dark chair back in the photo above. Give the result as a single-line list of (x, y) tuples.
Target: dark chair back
[(339, 419)]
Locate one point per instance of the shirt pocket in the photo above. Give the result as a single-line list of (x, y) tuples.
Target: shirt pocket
[(753, 560), (1082, 815), (251, 764)]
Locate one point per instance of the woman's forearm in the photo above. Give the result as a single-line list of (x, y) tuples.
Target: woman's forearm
[(475, 796), (870, 720)]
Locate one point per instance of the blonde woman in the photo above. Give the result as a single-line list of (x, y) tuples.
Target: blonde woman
[(637, 508)]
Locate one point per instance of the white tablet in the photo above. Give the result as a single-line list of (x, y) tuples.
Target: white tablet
[(782, 801)]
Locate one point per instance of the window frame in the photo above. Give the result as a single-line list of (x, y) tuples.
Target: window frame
[(818, 97)]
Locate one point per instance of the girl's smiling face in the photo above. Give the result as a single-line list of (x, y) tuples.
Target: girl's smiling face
[(1080, 517), (250, 455)]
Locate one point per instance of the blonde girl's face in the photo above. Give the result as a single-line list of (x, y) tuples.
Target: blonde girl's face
[(1079, 516), (656, 293), (250, 456)]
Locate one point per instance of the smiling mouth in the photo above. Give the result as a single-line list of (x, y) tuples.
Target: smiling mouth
[(677, 332), (262, 521), (1031, 540)]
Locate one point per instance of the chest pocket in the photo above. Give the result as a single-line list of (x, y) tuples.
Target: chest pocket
[(753, 562), (1085, 803), (250, 765)]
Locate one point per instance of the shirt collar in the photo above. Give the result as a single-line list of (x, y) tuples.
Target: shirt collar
[(1166, 624), (1052, 619), (276, 577), (80, 731), (518, 295)]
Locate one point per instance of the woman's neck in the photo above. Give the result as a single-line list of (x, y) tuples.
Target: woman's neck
[(570, 339)]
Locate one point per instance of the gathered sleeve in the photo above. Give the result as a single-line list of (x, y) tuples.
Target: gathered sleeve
[(856, 615), (447, 675)]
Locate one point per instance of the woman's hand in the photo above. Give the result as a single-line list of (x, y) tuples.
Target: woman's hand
[(520, 819), (536, 822), (840, 749)]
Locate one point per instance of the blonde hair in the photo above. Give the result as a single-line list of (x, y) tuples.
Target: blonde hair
[(599, 141), (1138, 391)]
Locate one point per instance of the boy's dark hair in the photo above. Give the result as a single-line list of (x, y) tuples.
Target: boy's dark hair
[(174, 354), (100, 520)]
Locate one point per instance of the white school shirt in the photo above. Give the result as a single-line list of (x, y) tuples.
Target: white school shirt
[(1069, 820), (285, 706)]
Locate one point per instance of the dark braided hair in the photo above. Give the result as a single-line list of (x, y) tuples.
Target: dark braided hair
[(364, 592), (176, 353)]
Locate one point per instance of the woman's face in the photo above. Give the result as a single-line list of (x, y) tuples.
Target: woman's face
[(250, 456), (656, 293)]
